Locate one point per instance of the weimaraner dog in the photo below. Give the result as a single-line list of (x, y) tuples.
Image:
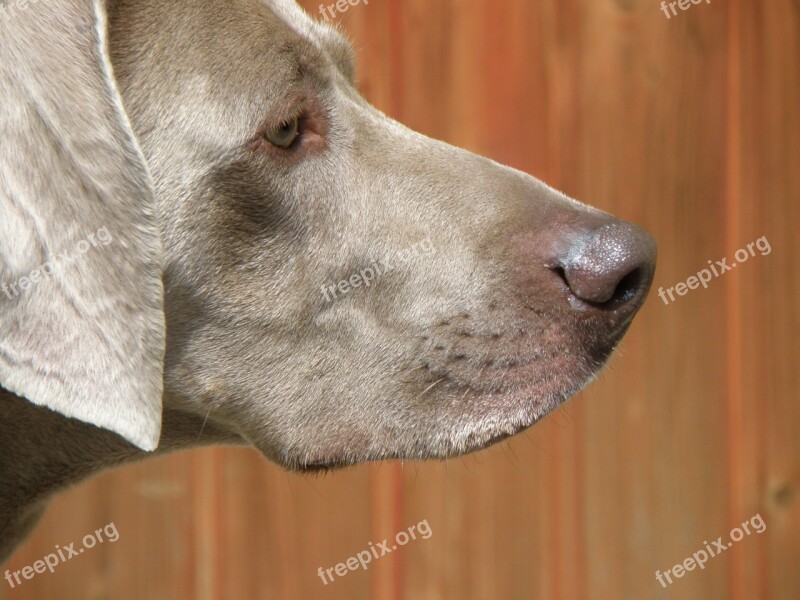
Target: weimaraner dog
[(208, 236)]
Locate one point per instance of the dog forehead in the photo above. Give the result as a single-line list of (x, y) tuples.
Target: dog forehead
[(325, 38), (294, 17)]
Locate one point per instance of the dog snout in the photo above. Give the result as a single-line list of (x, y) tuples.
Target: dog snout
[(609, 267)]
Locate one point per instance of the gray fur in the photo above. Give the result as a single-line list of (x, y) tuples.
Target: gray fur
[(449, 352)]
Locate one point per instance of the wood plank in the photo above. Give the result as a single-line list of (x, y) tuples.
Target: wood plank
[(689, 126)]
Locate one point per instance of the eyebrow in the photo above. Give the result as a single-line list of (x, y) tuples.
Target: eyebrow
[(302, 66)]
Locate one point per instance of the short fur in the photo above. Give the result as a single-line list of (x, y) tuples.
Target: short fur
[(151, 124)]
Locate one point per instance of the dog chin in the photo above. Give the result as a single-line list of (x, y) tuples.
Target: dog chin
[(492, 418), (457, 407), (512, 412)]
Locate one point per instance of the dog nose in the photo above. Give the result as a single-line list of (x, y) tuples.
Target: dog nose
[(610, 266)]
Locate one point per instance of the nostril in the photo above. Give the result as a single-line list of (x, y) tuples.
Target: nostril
[(625, 291), (628, 287), (559, 270), (611, 266)]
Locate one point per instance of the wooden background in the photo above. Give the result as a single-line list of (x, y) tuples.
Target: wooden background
[(688, 126)]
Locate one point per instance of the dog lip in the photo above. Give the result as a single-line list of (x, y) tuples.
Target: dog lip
[(536, 357), (319, 467), (498, 437)]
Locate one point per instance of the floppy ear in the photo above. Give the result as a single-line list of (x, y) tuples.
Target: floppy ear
[(81, 315)]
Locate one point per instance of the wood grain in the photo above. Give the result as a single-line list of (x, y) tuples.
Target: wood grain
[(689, 126)]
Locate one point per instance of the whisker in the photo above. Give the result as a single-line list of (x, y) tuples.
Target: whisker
[(431, 386), (202, 428)]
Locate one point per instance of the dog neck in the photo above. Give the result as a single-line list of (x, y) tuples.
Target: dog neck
[(42, 452)]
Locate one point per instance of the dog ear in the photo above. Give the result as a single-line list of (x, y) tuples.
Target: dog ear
[(81, 298)]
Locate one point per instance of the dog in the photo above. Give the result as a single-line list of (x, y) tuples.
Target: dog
[(180, 183)]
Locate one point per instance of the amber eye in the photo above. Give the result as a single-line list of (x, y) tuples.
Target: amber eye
[(285, 134)]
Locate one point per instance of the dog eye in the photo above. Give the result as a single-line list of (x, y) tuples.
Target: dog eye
[(285, 134)]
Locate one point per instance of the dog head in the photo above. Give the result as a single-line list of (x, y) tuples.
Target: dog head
[(337, 288)]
